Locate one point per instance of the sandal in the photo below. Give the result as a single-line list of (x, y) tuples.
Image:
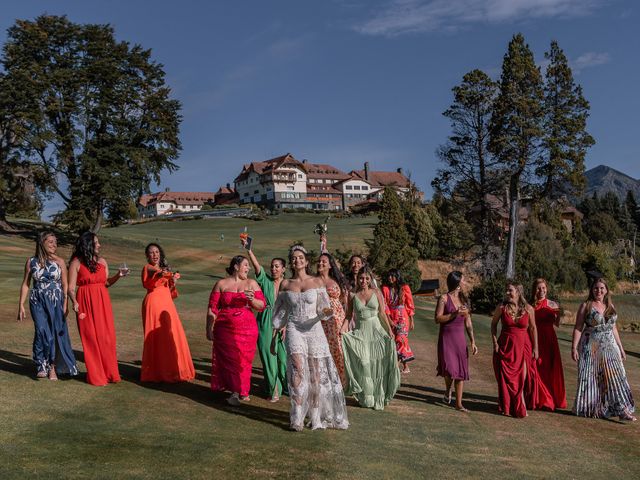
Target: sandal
[(627, 417), (446, 398), (462, 409), (41, 374), (233, 400)]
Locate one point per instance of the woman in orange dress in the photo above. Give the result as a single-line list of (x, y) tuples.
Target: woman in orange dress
[(89, 272), (400, 309), (165, 354), (338, 291)]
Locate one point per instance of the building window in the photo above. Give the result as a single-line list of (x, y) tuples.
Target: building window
[(356, 187), (365, 187), (246, 194), (349, 187), (299, 175), (290, 188), (255, 191)]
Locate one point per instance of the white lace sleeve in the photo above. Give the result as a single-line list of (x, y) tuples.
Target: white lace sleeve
[(322, 304), (280, 311)]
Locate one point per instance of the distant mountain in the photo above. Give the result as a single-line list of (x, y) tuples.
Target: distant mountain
[(603, 179)]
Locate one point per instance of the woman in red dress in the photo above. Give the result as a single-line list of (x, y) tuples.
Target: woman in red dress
[(400, 309), (90, 273), (551, 392), (232, 327), (165, 355), (512, 350)]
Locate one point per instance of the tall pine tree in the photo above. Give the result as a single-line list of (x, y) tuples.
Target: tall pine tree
[(391, 243), (517, 128), (566, 139)]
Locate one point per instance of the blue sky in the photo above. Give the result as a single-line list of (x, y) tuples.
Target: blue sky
[(349, 81)]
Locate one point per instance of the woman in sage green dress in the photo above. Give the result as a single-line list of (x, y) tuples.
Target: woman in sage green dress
[(369, 350)]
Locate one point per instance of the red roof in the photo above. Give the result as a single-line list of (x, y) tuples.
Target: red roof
[(179, 198), (384, 179), (267, 166)]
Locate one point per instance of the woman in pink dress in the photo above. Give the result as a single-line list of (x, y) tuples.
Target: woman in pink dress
[(232, 327), (400, 310)]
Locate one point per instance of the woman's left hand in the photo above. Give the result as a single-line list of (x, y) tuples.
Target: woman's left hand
[(176, 276), (623, 355), (411, 325), (535, 354), (474, 349)]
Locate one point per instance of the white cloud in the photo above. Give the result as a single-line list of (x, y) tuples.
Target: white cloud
[(589, 59), (411, 16)]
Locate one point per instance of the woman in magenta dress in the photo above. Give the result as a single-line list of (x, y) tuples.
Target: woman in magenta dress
[(92, 304), (550, 375), (232, 327), (454, 317), (400, 309), (512, 349)]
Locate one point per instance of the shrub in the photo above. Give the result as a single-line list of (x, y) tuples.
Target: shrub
[(488, 294)]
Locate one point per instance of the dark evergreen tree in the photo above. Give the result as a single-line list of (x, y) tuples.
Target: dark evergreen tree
[(633, 208), (391, 244), (565, 137), (422, 235), (469, 174), (96, 112), (516, 132)]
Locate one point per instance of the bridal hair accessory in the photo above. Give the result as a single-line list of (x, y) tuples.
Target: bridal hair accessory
[(296, 248)]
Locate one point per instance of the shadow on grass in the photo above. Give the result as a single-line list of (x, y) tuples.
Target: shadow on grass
[(434, 396), (16, 363), (29, 230)]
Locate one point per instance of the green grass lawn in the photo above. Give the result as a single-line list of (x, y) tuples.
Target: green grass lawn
[(68, 429)]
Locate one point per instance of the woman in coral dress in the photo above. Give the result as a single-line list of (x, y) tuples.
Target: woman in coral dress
[(92, 304), (337, 289), (454, 317), (165, 355), (232, 326), (511, 350), (550, 375), (400, 310)]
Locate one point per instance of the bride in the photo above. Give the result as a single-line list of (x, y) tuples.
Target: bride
[(314, 384)]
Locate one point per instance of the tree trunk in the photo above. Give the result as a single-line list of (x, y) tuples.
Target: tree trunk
[(4, 223), (98, 224), (514, 206)]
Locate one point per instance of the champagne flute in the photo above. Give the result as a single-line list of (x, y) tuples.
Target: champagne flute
[(123, 269)]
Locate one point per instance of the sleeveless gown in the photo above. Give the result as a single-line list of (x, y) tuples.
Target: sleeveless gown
[(370, 357), (453, 358), (510, 364), (165, 355), (550, 372), (603, 390), (51, 342), (97, 331)]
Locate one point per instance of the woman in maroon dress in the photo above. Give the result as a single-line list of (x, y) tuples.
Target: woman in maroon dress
[(512, 349), (550, 373), (454, 317), (232, 327)]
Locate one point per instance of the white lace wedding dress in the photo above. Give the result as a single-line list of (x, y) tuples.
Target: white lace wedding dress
[(314, 383)]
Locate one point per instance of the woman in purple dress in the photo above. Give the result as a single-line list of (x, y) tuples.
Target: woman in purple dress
[(454, 317)]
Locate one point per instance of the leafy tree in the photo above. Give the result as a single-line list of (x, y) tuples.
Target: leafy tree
[(469, 172), (565, 137), (422, 235), (601, 227), (516, 131), (633, 208), (391, 245), (96, 114)]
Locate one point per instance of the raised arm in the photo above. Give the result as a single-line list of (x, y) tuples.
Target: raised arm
[(494, 328), (24, 290), (533, 331), (254, 261), (577, 332)]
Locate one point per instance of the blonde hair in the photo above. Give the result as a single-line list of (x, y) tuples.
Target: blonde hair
[(521, 302), (41, 252)]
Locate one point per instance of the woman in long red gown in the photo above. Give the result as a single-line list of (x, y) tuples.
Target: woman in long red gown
[(232, 327), (92, 304), (551, 391), (165, 355), (512, 350)]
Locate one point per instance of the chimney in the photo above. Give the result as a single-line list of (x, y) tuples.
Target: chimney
[(366, 171), (229, 186), (305, 161), (167, 189), (400, 171)]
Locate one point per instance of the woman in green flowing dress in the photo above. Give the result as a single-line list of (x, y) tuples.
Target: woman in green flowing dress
[(369, 350)]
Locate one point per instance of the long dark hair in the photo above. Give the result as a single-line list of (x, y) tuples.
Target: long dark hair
[(394, 272), (609, 309), (299, 248), (235, 262), (351, 278), (84, 251), (335, 273), (453, 282), (163, 260), (41, 253)]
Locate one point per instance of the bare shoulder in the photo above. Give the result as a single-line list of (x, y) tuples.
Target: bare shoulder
[(253, 284), (60, 261), (74, 264), (552, 304), (102, 262)]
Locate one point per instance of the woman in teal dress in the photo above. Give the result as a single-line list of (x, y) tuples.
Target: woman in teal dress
[(369, 350), (603, 390)]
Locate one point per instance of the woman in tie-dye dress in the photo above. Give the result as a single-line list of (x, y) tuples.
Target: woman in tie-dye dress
[(603, 390)]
